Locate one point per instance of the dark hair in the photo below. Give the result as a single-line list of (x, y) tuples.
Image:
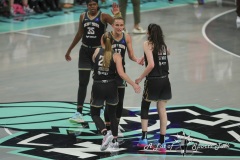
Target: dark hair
[(107, 40), (156, 37), (88, 1)]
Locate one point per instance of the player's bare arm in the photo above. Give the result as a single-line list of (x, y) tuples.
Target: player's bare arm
[(130, 51), (95, 54), (76, 39), (118, 60), (148, 52)]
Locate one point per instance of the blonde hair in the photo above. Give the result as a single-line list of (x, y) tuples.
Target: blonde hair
[(107, 40), (118, 18)]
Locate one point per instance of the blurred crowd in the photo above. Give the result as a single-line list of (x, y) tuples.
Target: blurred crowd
[(15, 7)]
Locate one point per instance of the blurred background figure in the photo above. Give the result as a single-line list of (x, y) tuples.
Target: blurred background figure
[(136, 14), (40, 6), (200, 2), (238, 13), (54, 5), (69, 3), (21, 7)]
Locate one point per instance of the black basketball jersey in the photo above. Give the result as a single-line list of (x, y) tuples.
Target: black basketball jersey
[(120, 46), (93, 30), (101, 73), (161, 63)]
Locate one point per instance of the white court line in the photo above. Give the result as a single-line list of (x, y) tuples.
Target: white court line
[(133, 107), (235, 135), (205, 36), (32, 34), (232, 125), (6, 129)]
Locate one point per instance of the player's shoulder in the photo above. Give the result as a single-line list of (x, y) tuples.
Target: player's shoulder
[(127, 36), (82, 15)]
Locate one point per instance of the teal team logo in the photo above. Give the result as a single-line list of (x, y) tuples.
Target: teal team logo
[(41, 130)]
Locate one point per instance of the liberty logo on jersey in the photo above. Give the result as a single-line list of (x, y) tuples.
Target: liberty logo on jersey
[(42, 130)]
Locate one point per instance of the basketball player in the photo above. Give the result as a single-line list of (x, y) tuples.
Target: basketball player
[(121, 42), (157, 86), (104, 89), (92, 25)]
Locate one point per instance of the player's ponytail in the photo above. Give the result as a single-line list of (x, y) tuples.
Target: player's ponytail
[(107, 40)]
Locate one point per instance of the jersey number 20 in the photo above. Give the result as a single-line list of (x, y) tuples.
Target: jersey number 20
[(100, 62)]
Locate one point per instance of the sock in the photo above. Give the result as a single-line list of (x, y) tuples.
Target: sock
[(144, 134), (114, 140), (79, 109), (161, 139), (108, 127), (104, 132)]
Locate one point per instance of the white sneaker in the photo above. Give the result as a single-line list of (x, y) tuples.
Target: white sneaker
[(238, 22), (140, 30), (109, 132), (76, 118), (106, 141), (28, 10), (113, 146)]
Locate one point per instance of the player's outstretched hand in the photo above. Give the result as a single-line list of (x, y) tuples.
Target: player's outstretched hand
[(115, 8)]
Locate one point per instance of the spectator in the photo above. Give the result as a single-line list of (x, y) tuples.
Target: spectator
[(15, 8), (136, 14), (238, 13)]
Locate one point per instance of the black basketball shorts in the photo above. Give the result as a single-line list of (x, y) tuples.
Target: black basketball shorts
[(157, 89), (104, 92), (85, 58)]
